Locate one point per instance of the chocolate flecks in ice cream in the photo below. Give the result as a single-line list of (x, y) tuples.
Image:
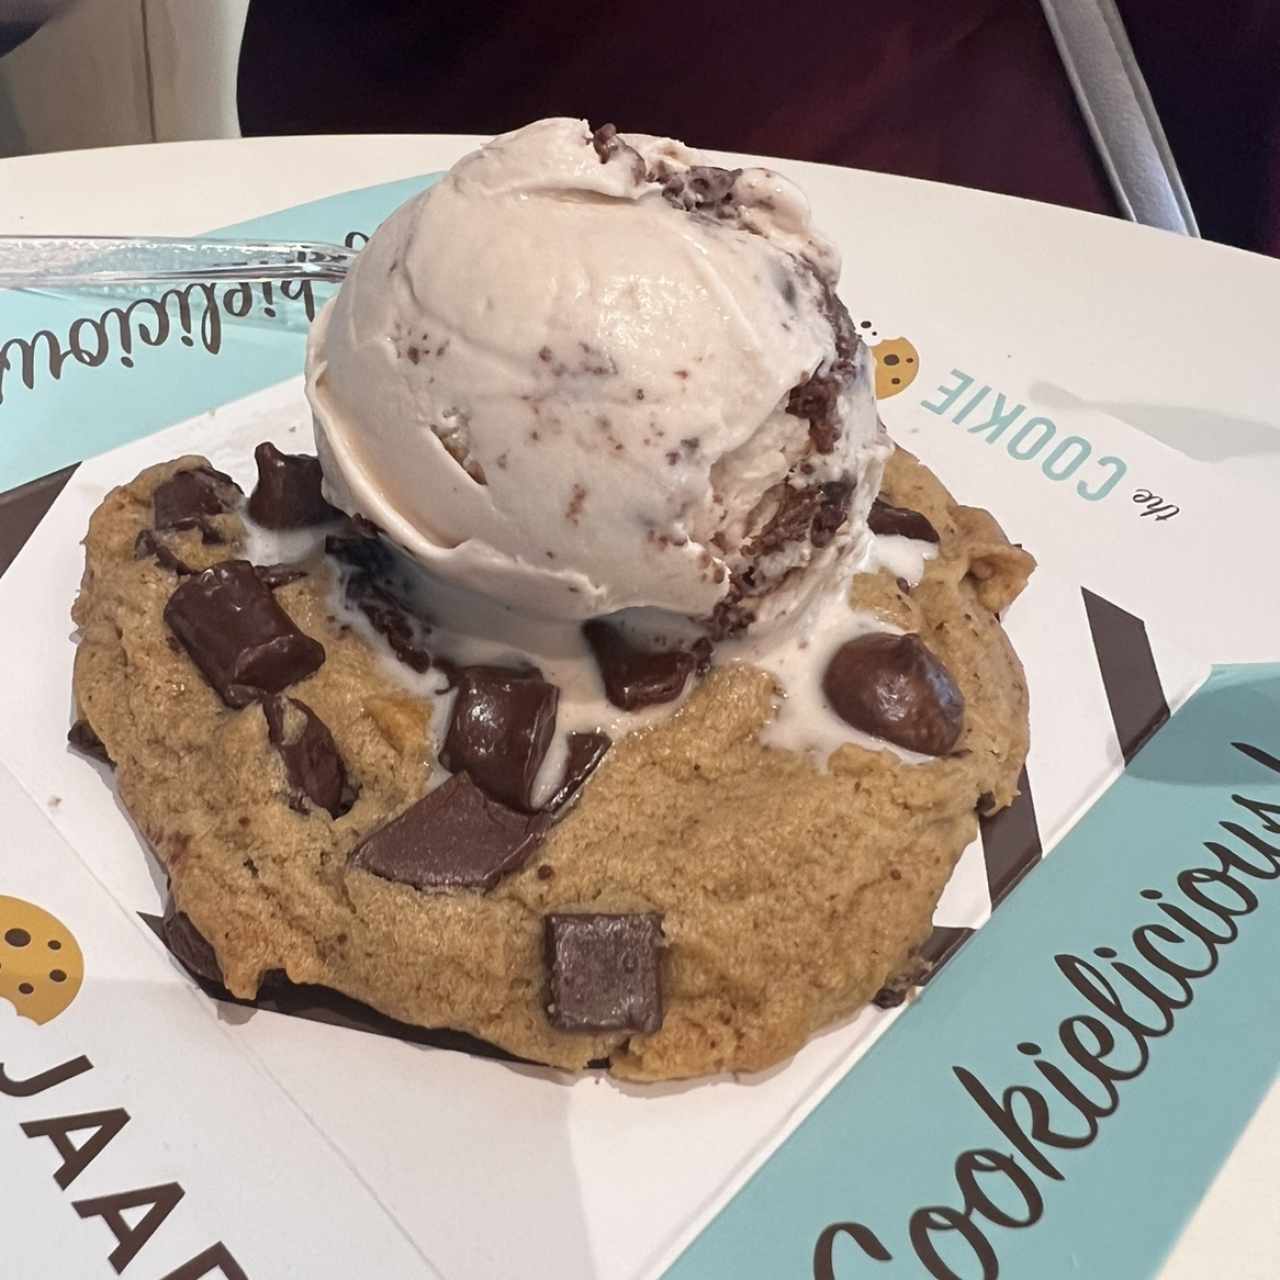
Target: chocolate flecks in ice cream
[(727, 325)]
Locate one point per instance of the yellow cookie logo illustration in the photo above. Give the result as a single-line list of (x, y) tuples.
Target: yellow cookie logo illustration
[(897, 360), (41, 967), (897, 363)]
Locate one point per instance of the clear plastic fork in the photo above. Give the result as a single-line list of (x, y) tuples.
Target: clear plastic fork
[(79, 262)]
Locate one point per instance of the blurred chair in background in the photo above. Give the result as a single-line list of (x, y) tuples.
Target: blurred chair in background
[(106, 72)]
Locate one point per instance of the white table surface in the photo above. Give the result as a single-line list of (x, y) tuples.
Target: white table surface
[(1179, 338)]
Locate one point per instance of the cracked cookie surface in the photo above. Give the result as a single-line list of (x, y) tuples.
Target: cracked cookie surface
[(788, 896)]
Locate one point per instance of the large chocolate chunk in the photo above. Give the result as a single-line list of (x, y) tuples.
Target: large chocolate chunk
[(241, 639), (603, 972), (188, 499), (500, 730), (900, 521), (586, 750), (894, 688), (635, 677), (455, 837), (287, 495), (188, 945), (311, 760), (82, 737)]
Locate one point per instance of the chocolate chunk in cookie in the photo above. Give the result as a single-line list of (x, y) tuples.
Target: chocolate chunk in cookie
[(146, 544), (603, 972), (901, 522), (894, 688), (189, 499), (455, 837), (287, 495), (188, 945), (311, 759), (585, 751), (82, 737), (395, 624), (636, 677), (367, 560), (502, 724), (275, 576), (366, 552), (234, 631)]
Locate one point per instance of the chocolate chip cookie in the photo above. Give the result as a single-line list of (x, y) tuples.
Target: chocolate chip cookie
[(690, 900)]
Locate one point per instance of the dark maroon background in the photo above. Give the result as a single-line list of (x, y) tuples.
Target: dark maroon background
[(964, 91)]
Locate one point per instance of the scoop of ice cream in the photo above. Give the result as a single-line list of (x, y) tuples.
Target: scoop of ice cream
[(586, 372)]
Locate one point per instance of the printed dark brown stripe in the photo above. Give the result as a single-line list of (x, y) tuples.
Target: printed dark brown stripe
[(942, 944), (1129, 675), (1011, 842), (23, 508)]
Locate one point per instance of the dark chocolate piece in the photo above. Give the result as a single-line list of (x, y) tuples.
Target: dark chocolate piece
[(287, 495), (894, 688), (455, 837), (275, 576), (188, 945), (82, 737), (605, 141), (635, 677), (900, 521), (501, 727), (311, 759), (607, 145), (367, 557), (586, 751), (603, 972), (390, 620), (188, 499), (703, 188), (147, 544), (234, 631), (365, 553), (892, 994), (817, 399)]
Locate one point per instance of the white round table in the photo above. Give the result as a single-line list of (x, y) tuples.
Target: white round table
[(1138, 323)]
